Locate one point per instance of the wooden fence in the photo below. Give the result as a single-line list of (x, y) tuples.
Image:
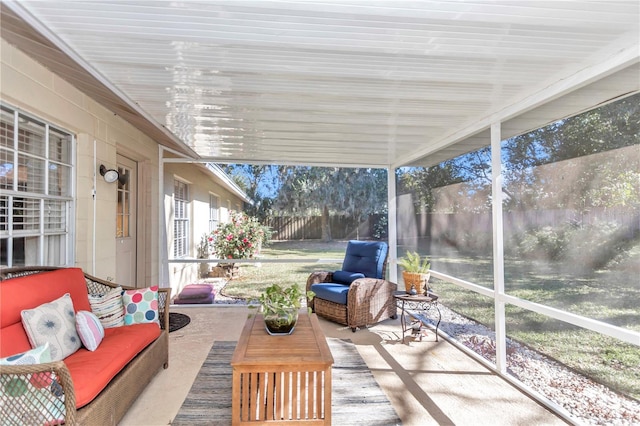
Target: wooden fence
[(425, 225), (310, 228)]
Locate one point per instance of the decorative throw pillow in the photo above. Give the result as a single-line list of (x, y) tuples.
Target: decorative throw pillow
[(31, 397), (39, 355), (89, 329), (141, 305), (53, 322), (108, 308)]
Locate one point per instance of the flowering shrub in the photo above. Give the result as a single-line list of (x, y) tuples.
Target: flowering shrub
[(240, 238)]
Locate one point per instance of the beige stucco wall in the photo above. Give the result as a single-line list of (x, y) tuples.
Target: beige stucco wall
[(201, 183), (28, 86)]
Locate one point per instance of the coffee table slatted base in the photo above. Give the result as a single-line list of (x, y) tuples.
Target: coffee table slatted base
[(282, 379), (282, 396)]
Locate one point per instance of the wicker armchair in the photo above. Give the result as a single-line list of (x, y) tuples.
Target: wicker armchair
[(358, 295)]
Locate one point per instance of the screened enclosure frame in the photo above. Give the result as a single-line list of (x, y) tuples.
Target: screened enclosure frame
[(500, 296)]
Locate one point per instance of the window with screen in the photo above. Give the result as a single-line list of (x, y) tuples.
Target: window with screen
[(36, 199)]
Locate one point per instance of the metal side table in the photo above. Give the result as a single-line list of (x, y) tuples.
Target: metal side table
[(417, 302)]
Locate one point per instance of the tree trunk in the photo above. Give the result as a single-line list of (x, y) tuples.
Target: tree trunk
[(326, 226)]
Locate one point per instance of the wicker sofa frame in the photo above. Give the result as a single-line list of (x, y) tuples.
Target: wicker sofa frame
[(369, 301), (110, 406)]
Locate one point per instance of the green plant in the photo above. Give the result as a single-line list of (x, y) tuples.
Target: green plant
[(280, 308), (204, 246), (240, 238), (412, 262), (280, 301)]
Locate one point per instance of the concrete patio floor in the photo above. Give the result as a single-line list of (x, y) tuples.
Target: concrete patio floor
[(428, 382)]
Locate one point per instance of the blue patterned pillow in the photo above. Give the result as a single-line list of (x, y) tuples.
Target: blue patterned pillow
[(55, 323)]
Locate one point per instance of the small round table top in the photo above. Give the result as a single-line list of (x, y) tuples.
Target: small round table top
[(403, 295)]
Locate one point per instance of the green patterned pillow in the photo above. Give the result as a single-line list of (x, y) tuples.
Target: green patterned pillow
[(39, 355), (31, 398)]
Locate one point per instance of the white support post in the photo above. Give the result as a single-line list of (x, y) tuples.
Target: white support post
[(163, 261), (392, 225), (498, 249)]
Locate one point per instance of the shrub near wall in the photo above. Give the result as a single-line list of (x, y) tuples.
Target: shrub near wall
[(240, 238)]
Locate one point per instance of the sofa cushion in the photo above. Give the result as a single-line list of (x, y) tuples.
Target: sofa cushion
[(196, 291), (140, 305), (92, 371), (13, 340), (346, 277), (203, 300), (334, 292), (195, 294), (108, 308), (89, 329), (53, 323), (30, 291), (365, 257)]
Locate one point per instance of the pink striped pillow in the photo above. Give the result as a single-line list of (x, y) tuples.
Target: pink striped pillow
[(89, 329)]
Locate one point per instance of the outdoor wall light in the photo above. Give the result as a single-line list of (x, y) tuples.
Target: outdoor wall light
[(112, 175)]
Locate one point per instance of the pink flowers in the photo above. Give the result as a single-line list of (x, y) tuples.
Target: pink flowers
[(238, 238)]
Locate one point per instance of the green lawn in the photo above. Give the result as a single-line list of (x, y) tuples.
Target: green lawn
[(254, 279), (609, 296)]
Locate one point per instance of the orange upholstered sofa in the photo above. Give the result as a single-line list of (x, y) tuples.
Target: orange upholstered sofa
[(97, 387)]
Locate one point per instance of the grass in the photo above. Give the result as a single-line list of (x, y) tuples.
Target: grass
[(609, 296), (254, 279)]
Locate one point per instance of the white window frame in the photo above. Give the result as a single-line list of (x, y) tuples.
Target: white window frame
[(181, 219), (49, 240)]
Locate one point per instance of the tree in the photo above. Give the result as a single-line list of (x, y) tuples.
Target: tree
[(528, 159), (332, 190), (257, 181)]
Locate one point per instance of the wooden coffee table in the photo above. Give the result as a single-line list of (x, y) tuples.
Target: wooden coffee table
[(282, 378)]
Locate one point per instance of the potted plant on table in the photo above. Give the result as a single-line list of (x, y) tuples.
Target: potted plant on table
[(416, 272), (280, 307)]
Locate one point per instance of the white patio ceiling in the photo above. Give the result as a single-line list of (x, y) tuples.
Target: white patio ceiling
[(337, 82)]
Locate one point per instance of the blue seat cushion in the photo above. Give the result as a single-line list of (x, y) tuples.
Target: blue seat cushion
[(366, 257), (346, 277), (332, 292)]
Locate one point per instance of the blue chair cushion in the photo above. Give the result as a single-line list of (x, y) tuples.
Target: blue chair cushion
[(332, 292), (346, 277), (365, 257)]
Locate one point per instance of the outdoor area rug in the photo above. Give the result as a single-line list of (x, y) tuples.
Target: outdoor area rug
[(356, 397), (177, 321)]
